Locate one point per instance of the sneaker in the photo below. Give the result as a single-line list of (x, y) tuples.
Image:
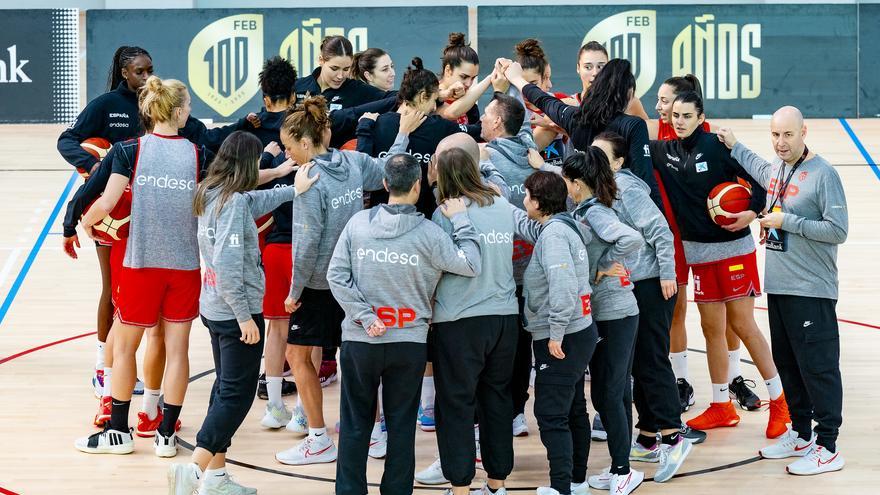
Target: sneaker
[(739, 390), (165, 446), (312, 450), (580, 488), (546, 490), (146, 427), (381, 424), (718, 415), (685, 394), (671, 459), (378, 445), (287, 388), (327, 373), (598, 433), (691, 435), (624, 484), (183, 479), (276, 417), (298, 422), (640, 453), (138, 387), (103, 414), (426, 419), (601, 481), (779, 418), (789, 445), (478, 462), (520, 427), (106, 442), (484, 490), (819, 460), (433, 475), (98, 383), (225, 486)]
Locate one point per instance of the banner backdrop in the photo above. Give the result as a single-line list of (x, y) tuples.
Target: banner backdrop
[(869, 68), (218, 53), (39, 65), (751, 59)]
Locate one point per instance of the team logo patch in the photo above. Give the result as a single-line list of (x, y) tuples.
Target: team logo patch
[(735, 268), (631, 35), (803, 176), (702, 166)]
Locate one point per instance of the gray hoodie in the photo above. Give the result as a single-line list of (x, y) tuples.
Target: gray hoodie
[(320, 214), (386, 266), (557, 281), (493, 292), (510, 157), (635, 208), (611, 241), (232, 281)]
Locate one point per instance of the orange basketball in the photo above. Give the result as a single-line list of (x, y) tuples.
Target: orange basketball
[(727, 198), (115, 225), (351, 145), (98, 148)]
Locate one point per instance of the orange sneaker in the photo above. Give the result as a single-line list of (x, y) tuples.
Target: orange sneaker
[(779, 418), (147, 427), (103, 414), (719, 414)]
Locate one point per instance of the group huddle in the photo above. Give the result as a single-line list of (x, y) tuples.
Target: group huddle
[(457, 259)]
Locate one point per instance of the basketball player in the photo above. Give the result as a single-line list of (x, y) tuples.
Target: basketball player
[(807, 221), (318, 218), (374, 67), (160, 275), (384, 272), (722, 258), (592, 58), (459, 89), (738, 387), (230, 302)]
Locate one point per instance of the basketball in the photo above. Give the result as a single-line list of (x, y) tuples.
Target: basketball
[(97, 147), (727, 198), (114, 226), (350, 145)]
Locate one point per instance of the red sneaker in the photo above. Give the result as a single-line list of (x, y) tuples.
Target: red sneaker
[(327, 374), (147, 427), (779, 418), (103, 415), (718, 415)]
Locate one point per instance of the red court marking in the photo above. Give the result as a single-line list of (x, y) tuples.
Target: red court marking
[(35, 349), (4, 491)]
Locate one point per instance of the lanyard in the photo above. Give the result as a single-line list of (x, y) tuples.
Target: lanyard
[(779, 197)]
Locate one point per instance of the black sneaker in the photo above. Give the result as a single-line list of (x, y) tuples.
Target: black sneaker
[(287, 388), (692, 435), (685, 394), (740, 390)]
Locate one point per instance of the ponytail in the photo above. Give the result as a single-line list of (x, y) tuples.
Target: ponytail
[(681, 84), (415, 80), (309, 119), (158, 99), (591, 167)]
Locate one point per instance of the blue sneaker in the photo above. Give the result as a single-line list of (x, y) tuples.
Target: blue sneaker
[(426, 419)]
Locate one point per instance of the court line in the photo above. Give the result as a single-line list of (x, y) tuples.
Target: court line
[(50, 344), (4, 491), (10, 262), (13, 291), (861, 148)]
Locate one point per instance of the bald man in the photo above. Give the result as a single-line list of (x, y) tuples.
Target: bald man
[(491, 176), (805, 221)]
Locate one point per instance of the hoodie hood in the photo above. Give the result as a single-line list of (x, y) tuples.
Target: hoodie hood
[(332, 164), (580, 211), (271, 120), (626, 179), (390, 221), (573, 224), (515, 149)]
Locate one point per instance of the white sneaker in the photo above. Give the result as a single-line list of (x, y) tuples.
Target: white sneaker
[(546, 490), (580, 488), (138, 387), (183, 479), (789, 445), (485, 490), (433, 475), (601, 481), (819, 460), (671, 459), (165, 446), (520, 427), (624, 484), (106, 442), (639, 453), (478, 462), (226, 485), (378, 445), (276, 417), (312, 450), (298, 423), (597, 432)]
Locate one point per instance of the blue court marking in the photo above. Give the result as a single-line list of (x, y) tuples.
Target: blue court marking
[(13, 291), (858, 143)]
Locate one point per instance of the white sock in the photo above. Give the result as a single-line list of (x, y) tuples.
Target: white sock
[(379, 400), (273, 387), (151, 403), (377, 429), (299, 405), (733, 369), (720, 393), (99, 356), (427, 392), (679, 364), (108, 374), (200, 475), (774, 387), (214, 476), (317, 432)]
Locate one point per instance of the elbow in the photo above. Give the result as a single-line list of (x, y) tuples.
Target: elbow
[(840, 235)]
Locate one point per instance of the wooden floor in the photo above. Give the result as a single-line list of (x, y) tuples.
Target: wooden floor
[(47, 399)]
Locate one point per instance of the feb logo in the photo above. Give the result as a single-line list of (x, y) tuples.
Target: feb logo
[(303, 45), (225, 60), (631, 35)]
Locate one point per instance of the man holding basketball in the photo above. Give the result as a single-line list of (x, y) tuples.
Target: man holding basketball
[(722, 258), (807, 219)]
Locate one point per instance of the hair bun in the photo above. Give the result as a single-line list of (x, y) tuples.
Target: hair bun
[(416, 64), (530, 47), (456, 40), (153, 84)]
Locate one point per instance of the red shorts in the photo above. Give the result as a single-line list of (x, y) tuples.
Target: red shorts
[(148, 294), (117, 256), (682, 269), (278, 265), (726, 280)]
